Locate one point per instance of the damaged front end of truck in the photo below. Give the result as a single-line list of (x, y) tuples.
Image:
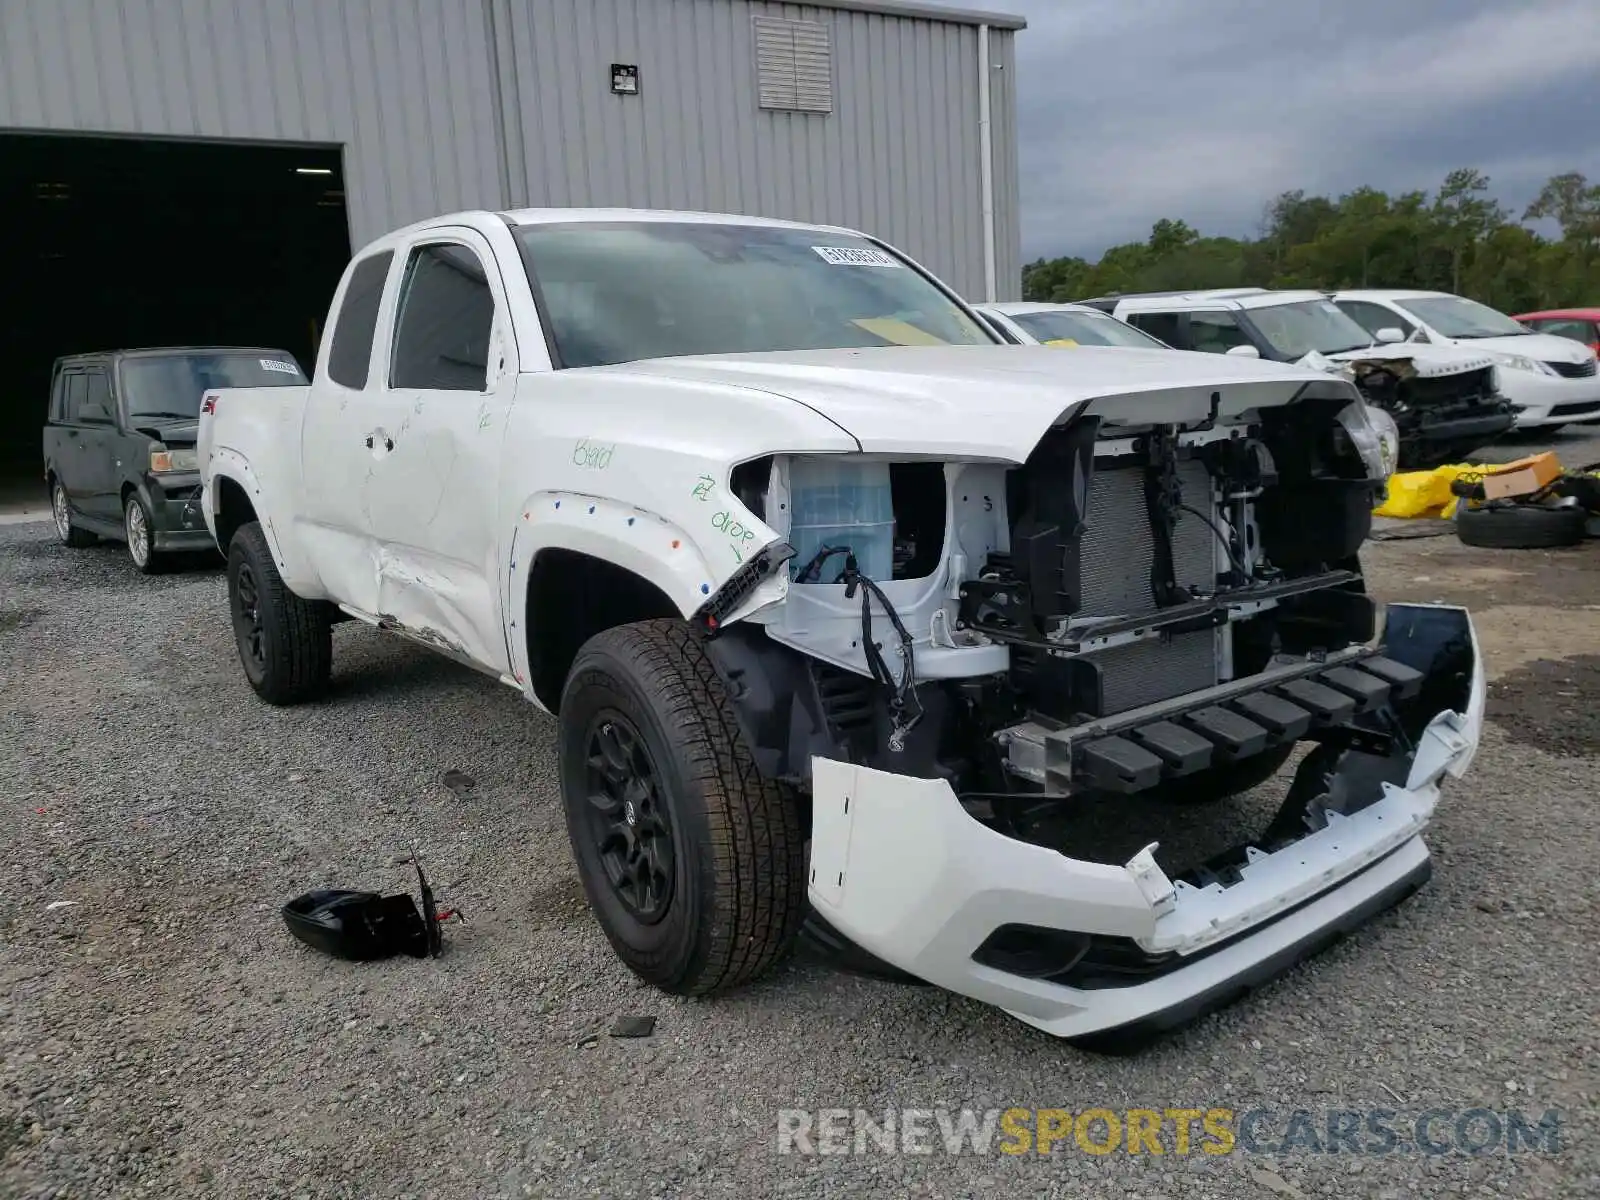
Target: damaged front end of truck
[(1163, 605)]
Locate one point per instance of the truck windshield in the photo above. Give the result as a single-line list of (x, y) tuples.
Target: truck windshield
[(1295, 330), (172, 384), (619, 291), (1063, 327)]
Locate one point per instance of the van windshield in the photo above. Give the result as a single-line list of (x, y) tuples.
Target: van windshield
[(171, 385), (1296, 329), (1458, 317), (616, 292)]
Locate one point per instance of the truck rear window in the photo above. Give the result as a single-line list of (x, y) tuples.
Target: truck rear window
[(171, 386)]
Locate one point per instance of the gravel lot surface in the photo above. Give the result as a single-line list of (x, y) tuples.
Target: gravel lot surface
[(162, 1035)]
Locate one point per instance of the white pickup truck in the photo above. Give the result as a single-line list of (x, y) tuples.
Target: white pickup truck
[(846, 611)]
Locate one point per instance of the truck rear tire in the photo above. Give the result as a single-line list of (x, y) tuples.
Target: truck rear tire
[(285, 643), (692, 861)]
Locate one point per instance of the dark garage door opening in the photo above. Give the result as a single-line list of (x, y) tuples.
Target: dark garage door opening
[(125, 242)]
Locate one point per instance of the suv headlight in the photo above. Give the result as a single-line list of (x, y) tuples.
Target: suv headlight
[(1375, 436), (167, 462), (1519, 362)]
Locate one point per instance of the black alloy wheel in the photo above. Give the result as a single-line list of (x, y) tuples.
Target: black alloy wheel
[(247, 628), (627, 819)]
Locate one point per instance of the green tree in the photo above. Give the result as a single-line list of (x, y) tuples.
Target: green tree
[(1169, 237), (1466, 215), (1460, 239), (1573, 203)]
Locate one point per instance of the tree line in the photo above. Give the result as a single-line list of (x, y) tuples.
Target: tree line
[(1460, 239)]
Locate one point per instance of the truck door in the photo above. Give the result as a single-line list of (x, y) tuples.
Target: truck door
[(432, 497), (336, 460)]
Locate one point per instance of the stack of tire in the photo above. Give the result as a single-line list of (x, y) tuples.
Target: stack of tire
[(1558, 515)]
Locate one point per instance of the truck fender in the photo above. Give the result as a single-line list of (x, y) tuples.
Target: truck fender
[(227, 463), (687, 570)]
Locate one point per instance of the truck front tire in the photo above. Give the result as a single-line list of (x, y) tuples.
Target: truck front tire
[(285, 643), (693, 863)]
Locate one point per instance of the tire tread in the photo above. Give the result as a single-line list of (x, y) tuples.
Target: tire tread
[(756, 840), (300, 657)]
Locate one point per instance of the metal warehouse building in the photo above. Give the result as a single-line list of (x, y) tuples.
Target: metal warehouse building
[(194, 171)]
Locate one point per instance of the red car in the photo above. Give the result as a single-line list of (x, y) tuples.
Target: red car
[(1579, 324)]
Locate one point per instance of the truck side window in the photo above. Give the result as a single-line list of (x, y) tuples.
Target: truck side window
[(446, 314), (351, 354), (1161, 325), (97, 408)]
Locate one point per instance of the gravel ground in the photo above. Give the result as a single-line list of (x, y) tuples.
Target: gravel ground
[(162, 1035)]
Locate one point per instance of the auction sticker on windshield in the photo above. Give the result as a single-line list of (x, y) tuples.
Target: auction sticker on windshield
[(273, 364), (855, 256)]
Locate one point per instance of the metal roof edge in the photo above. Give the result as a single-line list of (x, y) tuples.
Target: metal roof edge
[(922, 11)]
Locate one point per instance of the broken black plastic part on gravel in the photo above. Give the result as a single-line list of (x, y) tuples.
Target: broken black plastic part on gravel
[(364, 926)]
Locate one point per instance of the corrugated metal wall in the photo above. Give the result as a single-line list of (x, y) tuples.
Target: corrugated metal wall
[(406, 92), (898, 156), (417, 91)]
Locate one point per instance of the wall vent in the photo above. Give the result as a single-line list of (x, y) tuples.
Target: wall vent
[(794, 65)]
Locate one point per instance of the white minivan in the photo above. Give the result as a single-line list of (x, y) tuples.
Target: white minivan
[(1552, 380)]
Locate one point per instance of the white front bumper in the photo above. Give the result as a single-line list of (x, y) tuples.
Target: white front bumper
[(901, 869), (1549, 399)]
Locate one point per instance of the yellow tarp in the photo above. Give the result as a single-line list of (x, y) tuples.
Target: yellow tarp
[(1423, 493)]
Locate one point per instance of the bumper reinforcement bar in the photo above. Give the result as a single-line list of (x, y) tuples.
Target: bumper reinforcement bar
[(1137, 749)]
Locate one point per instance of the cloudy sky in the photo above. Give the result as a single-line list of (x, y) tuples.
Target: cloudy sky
[(1131, 110)]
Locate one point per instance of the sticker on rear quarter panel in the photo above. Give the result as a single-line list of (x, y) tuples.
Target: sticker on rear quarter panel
[(273, 364), (855, 256)]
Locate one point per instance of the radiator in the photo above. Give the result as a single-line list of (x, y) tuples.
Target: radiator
[(1157, 668), (1115, 559)]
